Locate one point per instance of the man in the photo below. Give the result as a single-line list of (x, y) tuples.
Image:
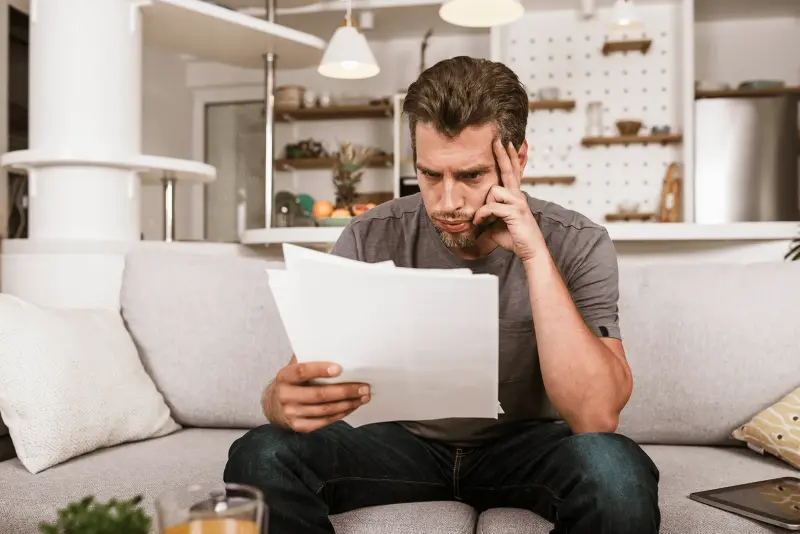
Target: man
[(562, 383)]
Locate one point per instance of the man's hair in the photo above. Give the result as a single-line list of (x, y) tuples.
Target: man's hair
[(462, 92)]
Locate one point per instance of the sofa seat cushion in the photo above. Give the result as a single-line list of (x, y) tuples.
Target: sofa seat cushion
[(684, 470), (434, 517), (146, 468), (187, 457)]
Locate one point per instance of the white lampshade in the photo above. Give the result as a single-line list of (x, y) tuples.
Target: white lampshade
[(625, 15), (348, 56), (481, 13)]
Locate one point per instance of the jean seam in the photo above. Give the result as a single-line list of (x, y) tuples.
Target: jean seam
[(456, 490)]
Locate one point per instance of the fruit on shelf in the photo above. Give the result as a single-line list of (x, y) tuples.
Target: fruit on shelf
[(358, 209), (322, 209), (340, 213)]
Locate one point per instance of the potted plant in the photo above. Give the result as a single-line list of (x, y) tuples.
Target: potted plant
[(347, 172), (90, 517)]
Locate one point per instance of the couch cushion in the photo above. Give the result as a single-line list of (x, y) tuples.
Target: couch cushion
[(684, 470), (432, 517), (187, 457), (208, 332), (709, 346), (146, 468)]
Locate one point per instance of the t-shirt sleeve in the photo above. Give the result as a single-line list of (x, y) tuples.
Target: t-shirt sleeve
[(594, 286), (347, 245)]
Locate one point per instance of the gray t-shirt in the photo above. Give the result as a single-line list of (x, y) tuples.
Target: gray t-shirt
[(402, 232)]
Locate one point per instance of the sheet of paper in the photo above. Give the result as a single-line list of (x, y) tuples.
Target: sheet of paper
[(425, 340)]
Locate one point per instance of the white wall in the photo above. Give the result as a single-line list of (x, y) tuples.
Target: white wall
[(736, 50)]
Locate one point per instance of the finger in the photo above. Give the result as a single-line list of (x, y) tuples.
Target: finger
[(290, 394), (516, 172), (503, 196), (503, 211), (504, 164), (305, 424), (323, 410), (300, 373)]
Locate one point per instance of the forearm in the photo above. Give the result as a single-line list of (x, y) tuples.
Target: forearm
[(585, 380)]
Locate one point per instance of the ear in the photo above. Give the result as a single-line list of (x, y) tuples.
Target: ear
[(523, 154)]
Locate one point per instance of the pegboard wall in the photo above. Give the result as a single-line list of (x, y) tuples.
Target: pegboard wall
[(560, 49)]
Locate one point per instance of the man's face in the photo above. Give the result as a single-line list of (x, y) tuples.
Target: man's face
[(455, 176)]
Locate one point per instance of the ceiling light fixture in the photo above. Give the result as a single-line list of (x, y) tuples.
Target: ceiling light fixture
[(348, 55), (481, 13)]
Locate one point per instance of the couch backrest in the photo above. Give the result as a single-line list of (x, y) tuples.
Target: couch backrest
[(208, 332), (709, 346)]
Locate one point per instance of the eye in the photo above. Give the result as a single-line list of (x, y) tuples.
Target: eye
[(472, 175)]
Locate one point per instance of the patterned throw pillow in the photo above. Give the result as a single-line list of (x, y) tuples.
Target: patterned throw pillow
[(776, 430)]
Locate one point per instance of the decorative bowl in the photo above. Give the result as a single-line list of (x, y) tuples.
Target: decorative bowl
[(628, 127), (334, 221)]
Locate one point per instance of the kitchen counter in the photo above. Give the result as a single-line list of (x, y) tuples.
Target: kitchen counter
[(751, 231)]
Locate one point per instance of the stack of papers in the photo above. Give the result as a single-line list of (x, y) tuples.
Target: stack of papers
[(425, 340)]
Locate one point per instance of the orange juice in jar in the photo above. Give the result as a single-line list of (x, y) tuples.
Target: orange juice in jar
[(211, 509)]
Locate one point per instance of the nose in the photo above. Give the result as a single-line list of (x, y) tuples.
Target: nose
[(451, 197)]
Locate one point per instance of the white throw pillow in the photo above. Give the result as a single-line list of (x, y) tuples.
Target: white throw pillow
[(71, 382)]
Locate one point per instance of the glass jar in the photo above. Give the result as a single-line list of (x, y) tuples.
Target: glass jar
[(594, 119)]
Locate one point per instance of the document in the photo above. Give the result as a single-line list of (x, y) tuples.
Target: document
[(425, 340)]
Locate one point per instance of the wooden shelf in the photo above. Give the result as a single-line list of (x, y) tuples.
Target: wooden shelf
[(308, 164), (333, 113), (612, 47), (208, 32), (536, 105), (664, 139), (532, 180), (618, 217), (749, 93)]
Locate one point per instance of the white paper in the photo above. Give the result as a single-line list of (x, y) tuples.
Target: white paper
[(426, 341)]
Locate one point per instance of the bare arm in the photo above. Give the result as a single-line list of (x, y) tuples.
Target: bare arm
[(587, 377)]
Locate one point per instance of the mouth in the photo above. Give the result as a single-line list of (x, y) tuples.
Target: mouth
[(454, 227)]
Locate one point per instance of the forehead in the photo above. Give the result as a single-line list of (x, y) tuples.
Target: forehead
[(471, 146)]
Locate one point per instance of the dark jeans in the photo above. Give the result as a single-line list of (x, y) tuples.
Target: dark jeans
[(599, 483)]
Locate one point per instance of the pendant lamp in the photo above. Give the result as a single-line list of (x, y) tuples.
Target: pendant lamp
[(481, 13), (348, 55)]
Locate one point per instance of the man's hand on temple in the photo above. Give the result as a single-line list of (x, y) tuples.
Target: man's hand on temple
[(292, 402)]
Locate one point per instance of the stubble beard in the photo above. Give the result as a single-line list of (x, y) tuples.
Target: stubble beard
[(461, 241)]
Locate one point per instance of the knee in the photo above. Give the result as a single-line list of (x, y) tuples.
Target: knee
[(621, 479), (260, 454)]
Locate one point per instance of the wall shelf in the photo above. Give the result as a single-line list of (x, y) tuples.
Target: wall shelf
[(333, 113), (640, 45), (640, 217), (663, 139), (533, 180), (208, 32), (308, 164), (551, 105), (764, 92)]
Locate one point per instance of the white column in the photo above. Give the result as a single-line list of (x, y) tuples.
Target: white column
[(85, 101)]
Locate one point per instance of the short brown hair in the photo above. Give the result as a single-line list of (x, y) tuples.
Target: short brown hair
[(461, 92)]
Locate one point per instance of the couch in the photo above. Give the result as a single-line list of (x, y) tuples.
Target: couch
[(709, 345)]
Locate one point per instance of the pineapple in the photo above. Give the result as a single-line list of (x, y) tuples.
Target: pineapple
[(347, 172)]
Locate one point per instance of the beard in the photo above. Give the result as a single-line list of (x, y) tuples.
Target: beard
[(462, 240)]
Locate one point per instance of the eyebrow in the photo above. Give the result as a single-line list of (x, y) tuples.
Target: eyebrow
[(467, 170)]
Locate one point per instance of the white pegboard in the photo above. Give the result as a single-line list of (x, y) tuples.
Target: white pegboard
[(559, 49)]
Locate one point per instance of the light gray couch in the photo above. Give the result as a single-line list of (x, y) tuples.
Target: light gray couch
[(710, 346)]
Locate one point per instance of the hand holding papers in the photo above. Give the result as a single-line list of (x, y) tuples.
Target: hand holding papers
[(426, 341)]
